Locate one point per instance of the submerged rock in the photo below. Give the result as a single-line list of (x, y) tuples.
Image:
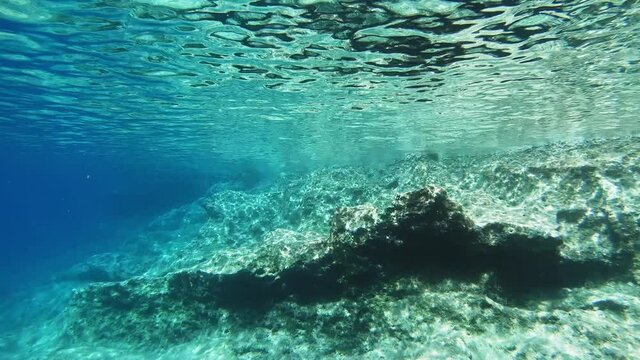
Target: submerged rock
[(104, 268), (423, 233), (528, 254)]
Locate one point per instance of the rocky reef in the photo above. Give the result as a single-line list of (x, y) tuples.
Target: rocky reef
[(422, 235), (528, 254)]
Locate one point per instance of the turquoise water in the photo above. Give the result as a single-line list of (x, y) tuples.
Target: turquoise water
[(315, 82), (311, 179)]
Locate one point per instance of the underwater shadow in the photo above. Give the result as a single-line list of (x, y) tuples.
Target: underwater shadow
[(423, 234)]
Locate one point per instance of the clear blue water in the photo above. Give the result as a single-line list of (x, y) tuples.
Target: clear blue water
[(59, 208), (113, 112)]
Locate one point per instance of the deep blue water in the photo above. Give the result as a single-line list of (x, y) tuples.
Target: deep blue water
[(58, 208)]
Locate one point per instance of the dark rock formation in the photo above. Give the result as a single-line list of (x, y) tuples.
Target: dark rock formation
[(423, 232)]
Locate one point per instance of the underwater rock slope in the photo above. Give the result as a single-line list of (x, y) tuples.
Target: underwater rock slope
[(528, 254)]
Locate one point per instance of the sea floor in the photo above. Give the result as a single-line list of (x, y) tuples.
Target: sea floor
[(527, 254)]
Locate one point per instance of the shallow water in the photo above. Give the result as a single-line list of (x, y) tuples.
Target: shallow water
[(150, 144), (319, 82)]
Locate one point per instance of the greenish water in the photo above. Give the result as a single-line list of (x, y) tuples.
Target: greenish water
[(319, 179)]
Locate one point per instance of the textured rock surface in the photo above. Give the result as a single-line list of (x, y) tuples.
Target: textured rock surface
[(421, 234), (529, 254)]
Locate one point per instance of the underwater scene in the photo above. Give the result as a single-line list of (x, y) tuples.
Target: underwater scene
[(319, 179)]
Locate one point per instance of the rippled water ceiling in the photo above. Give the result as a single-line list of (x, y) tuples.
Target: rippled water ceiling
[(258, 79)]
